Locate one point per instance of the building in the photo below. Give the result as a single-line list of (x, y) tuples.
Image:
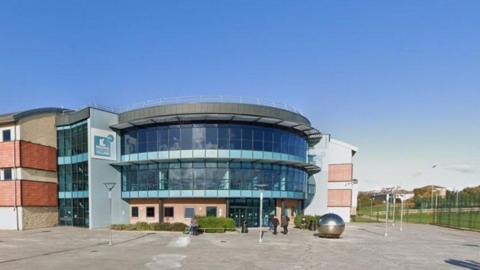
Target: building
[(335, 188), (170, 162), (28, 165)]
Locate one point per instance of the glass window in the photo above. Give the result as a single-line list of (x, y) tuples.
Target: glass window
[(247, 135), (223, 138), (162, 138), (235, 137), (134, 211), (7, 174), (151, 139), (142, 140), (211, 140), (199, 182), (174, 138), (168, 212), (189, 212), (186, 137), (198, 137), (6, 135), (150, 212), (211, 211)]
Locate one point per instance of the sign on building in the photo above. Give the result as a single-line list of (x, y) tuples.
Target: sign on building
[(104, 144)]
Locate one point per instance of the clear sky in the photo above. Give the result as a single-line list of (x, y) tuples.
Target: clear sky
[(398, 79)]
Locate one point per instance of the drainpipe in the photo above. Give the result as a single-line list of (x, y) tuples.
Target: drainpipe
[(15, 170)]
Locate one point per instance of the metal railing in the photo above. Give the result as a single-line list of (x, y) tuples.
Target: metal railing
[(196, 99)]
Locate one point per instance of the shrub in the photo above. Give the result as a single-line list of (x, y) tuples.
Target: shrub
[(298, 220), (216, 224), (143, 226)]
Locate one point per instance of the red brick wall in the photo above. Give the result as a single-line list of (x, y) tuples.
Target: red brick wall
[(340, 172), (36, 156), (29, 193), (339, 197), (7, 152), (39, 193), (7, 193)]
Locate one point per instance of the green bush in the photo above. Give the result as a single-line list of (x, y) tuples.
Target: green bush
[(143, 226), (298, 220), (215, 224)]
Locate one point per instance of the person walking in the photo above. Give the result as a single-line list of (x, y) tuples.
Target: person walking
[(270, 222), (194, 226), (284, 224), (275, 225)]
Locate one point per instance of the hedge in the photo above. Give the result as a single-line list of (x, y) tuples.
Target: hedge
[(215, 224), (143, 226), (298, 220)]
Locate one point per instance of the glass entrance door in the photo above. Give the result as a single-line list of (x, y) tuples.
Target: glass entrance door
[(250, 210)]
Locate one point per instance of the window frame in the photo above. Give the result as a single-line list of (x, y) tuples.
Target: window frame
[(132, 211), (147, 209), (169, 208)]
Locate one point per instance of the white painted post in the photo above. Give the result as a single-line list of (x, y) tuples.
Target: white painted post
[(401, 214), (261, 218), (386, 214)]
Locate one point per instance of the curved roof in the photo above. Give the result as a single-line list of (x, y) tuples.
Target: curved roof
[(11, 117), (218, 111)]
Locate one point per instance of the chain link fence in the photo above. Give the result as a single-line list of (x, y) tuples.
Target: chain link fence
[(462, 212)]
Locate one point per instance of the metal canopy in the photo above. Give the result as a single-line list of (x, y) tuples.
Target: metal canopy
[(309, 168), (313, 135)]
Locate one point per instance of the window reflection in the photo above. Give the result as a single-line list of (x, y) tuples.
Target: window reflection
[(205, 136), (212, 176)]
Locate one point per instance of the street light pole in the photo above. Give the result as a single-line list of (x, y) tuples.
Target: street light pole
[(386, 214), (401, 214), (260, 229), (109, 187)]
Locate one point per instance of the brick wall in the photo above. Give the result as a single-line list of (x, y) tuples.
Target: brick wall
[(39, 193), (7, 152), (38, 156), (339, 198), (340, 172), (29, 193), (7, 193)]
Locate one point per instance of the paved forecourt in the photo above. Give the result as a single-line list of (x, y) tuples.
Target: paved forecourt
[(363, 246)]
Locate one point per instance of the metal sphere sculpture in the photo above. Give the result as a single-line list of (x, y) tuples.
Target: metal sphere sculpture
[(330, 226)]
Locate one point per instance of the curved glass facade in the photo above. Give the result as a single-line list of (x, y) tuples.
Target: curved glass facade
[(213, 176), (213, 136)]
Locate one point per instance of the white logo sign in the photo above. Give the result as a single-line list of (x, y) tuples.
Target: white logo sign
[(104, 144)]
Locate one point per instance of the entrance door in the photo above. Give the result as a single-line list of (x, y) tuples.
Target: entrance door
[(250, 210), (250, 214)]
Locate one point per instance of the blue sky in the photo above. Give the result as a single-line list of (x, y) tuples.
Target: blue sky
[(398, 79)]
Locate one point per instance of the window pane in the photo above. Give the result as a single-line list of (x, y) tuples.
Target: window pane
[(168, 212), (6, 135), (135, 211), (211, 137), (235, 137), (211, 211), (186, 137), (199, 138), (247, 135), (151, 139), (162, 138), (223, 138), (142, 140), (174, 138), (151, 212), (189, 212)]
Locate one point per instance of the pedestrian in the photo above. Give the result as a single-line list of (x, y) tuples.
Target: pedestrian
[(270, 222), (275, 225), (194, 226), (304, 223), (284, 224)]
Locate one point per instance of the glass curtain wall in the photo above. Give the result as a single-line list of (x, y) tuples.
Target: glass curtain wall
[(212, 176), (213, 136), (73, 176)]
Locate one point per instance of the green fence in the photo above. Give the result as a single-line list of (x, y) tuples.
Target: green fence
[(452, 211)]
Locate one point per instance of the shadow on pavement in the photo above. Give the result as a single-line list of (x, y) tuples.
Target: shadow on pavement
[(469, 264)]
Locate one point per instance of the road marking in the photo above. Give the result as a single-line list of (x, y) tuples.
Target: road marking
[(165, 261)]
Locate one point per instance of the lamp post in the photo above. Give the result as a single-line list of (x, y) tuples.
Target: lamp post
[(109, 187), (260, 237), (401, 213), (386, 214)]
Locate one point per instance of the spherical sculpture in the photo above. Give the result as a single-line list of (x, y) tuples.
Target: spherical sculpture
[(331, 226)]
